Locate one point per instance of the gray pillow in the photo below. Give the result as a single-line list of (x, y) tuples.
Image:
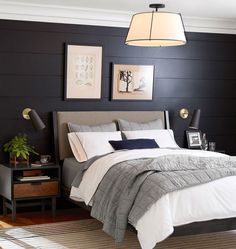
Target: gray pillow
[(125, 125), (87, 128)]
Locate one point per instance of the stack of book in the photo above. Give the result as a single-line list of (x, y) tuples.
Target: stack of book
[(38, 164), (32, 178)]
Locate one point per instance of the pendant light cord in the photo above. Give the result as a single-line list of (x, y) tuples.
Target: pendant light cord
[(150, 35)]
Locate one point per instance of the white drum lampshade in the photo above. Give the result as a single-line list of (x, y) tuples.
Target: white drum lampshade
[(156, 29)]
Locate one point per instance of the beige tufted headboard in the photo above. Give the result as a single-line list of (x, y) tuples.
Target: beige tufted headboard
[(61, 118)]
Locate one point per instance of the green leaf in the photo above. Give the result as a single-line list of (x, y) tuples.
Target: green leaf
[(19, 146)]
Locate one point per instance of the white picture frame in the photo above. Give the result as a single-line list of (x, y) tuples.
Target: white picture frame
[(83, 72), (194, 139)]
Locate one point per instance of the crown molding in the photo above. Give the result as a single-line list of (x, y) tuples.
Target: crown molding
[(63, 14), (101, 17), (210, 25)]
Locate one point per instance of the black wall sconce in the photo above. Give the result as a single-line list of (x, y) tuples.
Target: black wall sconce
[(32, 115), (194, 124)]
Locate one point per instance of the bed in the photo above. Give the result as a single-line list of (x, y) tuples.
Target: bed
[(63, 152)]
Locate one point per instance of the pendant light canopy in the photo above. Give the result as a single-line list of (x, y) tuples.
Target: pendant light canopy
[(156, 29)]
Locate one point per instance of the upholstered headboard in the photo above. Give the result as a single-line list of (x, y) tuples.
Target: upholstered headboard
[(61, 118)]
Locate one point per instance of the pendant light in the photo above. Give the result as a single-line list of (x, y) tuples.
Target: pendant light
[(156, 29)]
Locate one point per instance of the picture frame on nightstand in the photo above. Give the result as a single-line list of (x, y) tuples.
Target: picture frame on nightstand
[(194, 139)]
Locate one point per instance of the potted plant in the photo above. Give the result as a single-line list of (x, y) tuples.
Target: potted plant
[(19, 150)]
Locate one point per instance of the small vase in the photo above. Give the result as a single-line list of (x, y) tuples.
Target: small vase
[(204, 143)]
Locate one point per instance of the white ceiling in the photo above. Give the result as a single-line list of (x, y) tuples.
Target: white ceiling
[(196, 8), (199, 15)]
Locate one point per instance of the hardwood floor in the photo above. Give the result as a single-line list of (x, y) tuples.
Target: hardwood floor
[(39, 217)]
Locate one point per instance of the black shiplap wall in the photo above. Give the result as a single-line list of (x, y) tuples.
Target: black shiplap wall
[(201, 74)]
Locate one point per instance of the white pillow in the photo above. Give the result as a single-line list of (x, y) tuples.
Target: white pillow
[(85, 145), (164, 138)]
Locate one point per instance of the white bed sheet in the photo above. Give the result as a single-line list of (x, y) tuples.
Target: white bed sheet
[(213, 200), (199, 203)]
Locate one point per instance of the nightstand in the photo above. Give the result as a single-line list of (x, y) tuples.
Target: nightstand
[(23, 185)]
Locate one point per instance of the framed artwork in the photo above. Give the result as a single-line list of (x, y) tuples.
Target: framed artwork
[(83, 69), (194, 139), (132, 82)]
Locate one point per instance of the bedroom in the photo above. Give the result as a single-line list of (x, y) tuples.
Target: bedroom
[(200, 74)]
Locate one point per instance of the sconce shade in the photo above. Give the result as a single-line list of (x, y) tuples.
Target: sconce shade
[(194, 124), (36, 120), (155, 29)]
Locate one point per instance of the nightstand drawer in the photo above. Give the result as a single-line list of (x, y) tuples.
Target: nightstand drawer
[(36, 189)]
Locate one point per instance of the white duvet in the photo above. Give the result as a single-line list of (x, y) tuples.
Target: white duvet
[(214, 200)]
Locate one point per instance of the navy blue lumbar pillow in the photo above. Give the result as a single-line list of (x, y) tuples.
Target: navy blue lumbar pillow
[(131, 144)]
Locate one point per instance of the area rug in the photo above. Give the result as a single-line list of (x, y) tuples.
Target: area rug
[(88, 234)]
